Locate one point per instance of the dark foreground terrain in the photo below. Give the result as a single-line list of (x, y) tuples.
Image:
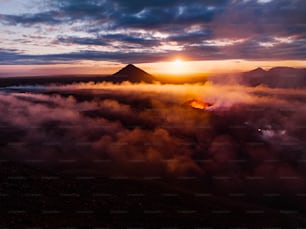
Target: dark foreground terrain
[(35, 198)]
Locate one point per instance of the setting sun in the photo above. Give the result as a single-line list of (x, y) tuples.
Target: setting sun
[(177, 63), (178, 67)]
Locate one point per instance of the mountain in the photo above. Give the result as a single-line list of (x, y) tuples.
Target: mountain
[(128, 73), (133, 74), (257, 72), (278, 77), (286, 71)]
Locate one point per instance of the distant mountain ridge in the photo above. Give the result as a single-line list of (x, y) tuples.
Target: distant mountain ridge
[(281, 77)]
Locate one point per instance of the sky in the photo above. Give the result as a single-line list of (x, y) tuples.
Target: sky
[(43, 37)]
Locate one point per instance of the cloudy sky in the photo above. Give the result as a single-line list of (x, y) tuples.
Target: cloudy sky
[(99, 36)]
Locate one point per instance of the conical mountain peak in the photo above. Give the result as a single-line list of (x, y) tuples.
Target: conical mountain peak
[(133, 74), (258, 70)]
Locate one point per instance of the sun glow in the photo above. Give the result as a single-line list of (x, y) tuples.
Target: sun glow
[(178, 63), (178, 67)]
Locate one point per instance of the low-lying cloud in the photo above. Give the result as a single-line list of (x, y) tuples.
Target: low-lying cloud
[(249, 137)]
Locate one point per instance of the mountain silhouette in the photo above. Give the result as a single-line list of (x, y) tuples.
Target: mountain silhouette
[(133, 74), (257, 72), (282, 77)]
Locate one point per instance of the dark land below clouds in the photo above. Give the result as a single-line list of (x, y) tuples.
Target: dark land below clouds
[(32, 197)]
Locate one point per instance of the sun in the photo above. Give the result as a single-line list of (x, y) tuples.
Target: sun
[(178, 66), (177, 62)]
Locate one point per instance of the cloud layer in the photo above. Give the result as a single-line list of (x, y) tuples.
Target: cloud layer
[(249, 139), (137, 31)]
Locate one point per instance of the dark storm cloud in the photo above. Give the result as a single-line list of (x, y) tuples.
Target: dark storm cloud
[(155, 18), (192, 37), (138, 5), (11, 58), (8, 56), (81, 41), (109, 39), (31, 19), (132, 39), (188, 24)]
